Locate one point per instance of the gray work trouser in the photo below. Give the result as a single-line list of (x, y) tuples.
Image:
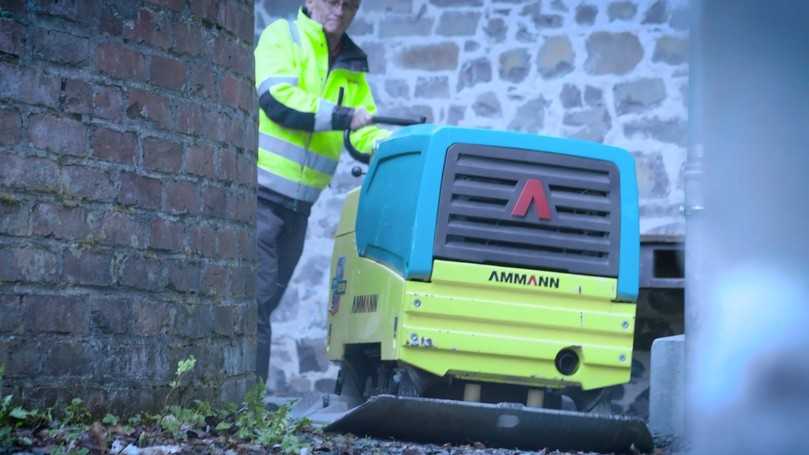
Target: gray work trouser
[(280, 233)]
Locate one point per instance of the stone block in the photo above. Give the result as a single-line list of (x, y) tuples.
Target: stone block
[(671, 131), (12, 37), (194, 321), (23, 360), (388, 6), (432, 87), (229, 54), (184, 276), (228, 244), (60, 47), (312, 355), (612, 53), (167, 72), (236, 92), (530, 116), (29, 173), (430, 57), (58, 221), (14, 216), (394, 26), (176, 5), (213, 201), (203, 241), (88, 183), (474, 72), (188, 39), (69, 359), (199, 160), (487, 105), (161, 155), (142, 273), (31, 265), (593, 97), (556, 57), (667, 392), (540, 19), (658, 13), (147, 105), (671, 50), (77, 97), (88, 268), (82, 12), (167, 235), (456, 115), (246, 166), (120, 62), (13, 6), (496, 29), (570, 96), (586, 14), (150, 318), (514, 65), (639, 95), (10, 127), (680, 18), (114, 145), (117, 228), (223, 326), (377, 57), (108, 103), (458, 23), (140, 191), (214, 280), (591, 124), (191, 118), (56, 314), (12, 311), (150, 28), (621, 11), (61, 135), (111, 315), (29, 86), (361, 27), (653, 180)]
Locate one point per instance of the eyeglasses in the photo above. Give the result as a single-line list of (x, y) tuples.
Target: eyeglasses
[(348, 5)]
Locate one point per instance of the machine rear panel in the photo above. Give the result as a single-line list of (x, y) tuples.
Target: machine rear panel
[(481, 187)]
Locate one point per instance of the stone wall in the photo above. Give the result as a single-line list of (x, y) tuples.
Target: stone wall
[(127, 207), (607, 71)]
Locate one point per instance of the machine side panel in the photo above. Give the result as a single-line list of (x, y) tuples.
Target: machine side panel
[(364, 297), (499, 324)]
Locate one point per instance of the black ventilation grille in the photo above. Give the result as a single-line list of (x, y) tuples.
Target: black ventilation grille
[(482, 186)]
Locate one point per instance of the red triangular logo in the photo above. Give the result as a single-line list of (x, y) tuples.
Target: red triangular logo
[(534, 191)]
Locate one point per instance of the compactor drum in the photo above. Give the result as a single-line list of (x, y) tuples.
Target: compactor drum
[(483, 286)]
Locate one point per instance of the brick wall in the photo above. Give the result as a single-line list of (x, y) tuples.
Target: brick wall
[(127, 197)]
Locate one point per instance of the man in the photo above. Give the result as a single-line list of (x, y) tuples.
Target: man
[(301, 66)]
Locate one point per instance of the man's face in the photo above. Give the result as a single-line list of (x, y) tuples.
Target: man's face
[(334, 15)]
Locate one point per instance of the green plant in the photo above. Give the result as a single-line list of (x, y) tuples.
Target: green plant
[(255, 423), (183, 367), (76, 413)]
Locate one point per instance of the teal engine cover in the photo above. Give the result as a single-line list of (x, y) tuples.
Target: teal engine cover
[(398, 218)]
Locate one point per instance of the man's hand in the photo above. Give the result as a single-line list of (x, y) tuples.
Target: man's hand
[(361, 118)]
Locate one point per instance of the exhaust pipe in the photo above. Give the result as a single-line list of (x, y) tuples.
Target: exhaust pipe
[(567, 361)]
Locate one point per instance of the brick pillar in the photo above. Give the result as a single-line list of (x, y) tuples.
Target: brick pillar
[(127, 198)]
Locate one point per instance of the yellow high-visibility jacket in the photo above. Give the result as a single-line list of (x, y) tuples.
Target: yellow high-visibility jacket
[(300, 126)]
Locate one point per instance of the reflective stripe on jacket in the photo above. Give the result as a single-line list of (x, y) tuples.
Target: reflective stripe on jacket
[(299, 146)]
